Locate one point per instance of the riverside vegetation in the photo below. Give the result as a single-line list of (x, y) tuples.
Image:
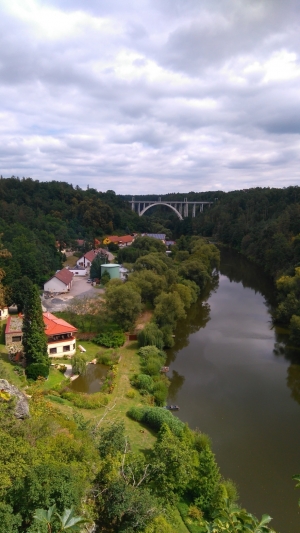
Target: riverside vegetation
[(93, 458)]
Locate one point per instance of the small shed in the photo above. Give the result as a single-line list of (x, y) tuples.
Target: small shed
[(112, 269)]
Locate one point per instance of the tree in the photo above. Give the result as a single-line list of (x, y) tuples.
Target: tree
[(195, 270), (34, 337), (78, 364), (173, 463), (20, 290), (168, 309), (124, 304), (95, 271), (149, 283), (205, 487), (151, 335)]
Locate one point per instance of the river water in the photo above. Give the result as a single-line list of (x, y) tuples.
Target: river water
[(235, 378)]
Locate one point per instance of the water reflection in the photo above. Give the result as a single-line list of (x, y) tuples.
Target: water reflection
[(91, 381), (236, 377)]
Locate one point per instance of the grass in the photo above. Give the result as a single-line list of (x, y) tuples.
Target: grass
[(70, 261)]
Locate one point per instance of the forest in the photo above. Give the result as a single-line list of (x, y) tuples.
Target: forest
[(64, 462)]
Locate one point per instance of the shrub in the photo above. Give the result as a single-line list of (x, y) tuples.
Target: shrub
[(152, 366), (155, 417), (147, 351), (86, 401), (143, 382), (112, 339), (131, 393), (108, 358), (36, 370), (160, 393)]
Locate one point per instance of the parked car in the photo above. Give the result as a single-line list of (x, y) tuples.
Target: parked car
[(89, 281)]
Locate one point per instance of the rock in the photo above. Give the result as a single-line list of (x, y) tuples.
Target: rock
[(22, 406)]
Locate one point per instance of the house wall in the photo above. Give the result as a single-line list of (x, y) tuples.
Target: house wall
[(78, 272), (3, 313), (60, 347), (13, 338), (55, 285)]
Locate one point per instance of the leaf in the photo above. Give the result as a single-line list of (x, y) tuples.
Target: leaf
[(44, 515), (69, 521)]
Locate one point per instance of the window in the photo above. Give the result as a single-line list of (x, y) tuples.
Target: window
[(66, 348), (17, 339), (53, 350)]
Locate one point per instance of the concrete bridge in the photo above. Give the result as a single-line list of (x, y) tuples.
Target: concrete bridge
[(181, 208)]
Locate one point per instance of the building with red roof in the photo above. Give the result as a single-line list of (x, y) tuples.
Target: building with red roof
[(61, 336), (60, 282), (87, 259)]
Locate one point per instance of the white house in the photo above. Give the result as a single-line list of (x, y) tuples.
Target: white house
[(60, 282), (3, 313), (87, 259), (61, 336)]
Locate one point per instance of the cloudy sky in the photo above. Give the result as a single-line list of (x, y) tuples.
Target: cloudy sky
[(151, 96)]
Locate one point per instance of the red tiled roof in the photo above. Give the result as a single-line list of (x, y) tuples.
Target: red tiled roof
[(120, 240), (56, 326), (53, 325), (64, 275), (90, 256)]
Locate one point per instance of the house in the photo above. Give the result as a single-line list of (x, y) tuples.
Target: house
[(87, 259), (126, 240), (60, 282), (61, 336), (3, 313), (78, 271)]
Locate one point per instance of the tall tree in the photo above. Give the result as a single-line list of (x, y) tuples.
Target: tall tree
[(34, 337)]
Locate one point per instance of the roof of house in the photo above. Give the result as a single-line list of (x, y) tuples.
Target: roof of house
[(56, 326), (64, 275), (53, 325), (90, 256), (14, 324), (160, 236), (120, 240)]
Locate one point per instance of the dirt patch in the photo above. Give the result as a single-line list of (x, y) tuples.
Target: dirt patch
[(143, 319)]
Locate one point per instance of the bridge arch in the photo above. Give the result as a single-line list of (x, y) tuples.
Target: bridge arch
[(161, 203)]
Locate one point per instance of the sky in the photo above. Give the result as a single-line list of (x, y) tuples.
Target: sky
[(151, 96)]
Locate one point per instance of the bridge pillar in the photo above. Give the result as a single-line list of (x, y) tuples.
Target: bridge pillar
[(201, 208), (139, 208), (186, 210), (132, 204), (194, 211), (180, 209)]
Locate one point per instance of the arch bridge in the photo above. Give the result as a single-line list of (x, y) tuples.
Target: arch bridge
[(181, 208)]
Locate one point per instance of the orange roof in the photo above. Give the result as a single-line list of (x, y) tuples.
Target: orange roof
[(120, 240), (64, 275), (56, 326)]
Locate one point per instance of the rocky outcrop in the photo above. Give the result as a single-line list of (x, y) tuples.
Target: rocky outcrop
[(22, 406)]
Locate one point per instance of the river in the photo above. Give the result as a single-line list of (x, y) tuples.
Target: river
[(234, 378)]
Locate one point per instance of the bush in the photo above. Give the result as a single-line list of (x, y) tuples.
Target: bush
[(148, 351), (155, 417), (113, 339), (36, 370), (108, 358), (86, 401), (160, 392), (143, 382), (131, 393), (151, 335), (152, 366)]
